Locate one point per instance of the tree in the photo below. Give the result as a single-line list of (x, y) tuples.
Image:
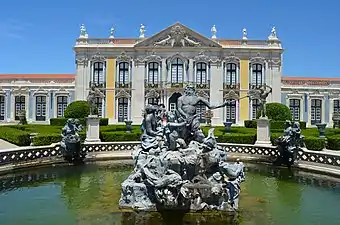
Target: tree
[(77, 109), (277, 112)]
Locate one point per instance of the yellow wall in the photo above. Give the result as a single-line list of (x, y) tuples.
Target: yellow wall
[(110, 84), (244, 86)]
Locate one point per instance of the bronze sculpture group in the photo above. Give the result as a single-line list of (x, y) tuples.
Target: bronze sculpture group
[(177, 167)]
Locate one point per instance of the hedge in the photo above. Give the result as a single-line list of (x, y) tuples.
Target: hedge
[(273, 124), (333, 142), (47, 139), (314, 143), (62, 121), (15, 136)]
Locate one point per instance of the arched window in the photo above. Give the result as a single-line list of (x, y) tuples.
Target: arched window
[(231, 74), (20, 104), (316, 110), (257, 76), (123, 73), (255, 104), (98, 73), (153, 73), (231, 110), (177, 71), (40, 108), (201, 73), (123, 104), (2, 107), (294, 105)]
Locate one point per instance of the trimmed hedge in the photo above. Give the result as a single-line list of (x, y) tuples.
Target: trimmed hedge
[(47, 139), (273, 124), (62, 121), (333, 142), (314, 143), (15, 136)]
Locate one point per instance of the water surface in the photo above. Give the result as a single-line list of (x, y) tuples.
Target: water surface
[(89, 194)]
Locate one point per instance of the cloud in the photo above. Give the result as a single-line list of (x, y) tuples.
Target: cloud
[(14, 28)]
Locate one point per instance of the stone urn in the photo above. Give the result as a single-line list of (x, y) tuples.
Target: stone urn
[(128, 124), (32, 135), (321, 128), (227, 126)]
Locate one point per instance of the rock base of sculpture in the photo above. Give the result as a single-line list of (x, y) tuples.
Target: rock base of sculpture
[(191, 177), (92, 132), (263, 132)]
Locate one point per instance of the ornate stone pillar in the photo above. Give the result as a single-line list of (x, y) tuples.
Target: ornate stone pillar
[(274, 75), (81, 74), (138, 93), (216, 93)]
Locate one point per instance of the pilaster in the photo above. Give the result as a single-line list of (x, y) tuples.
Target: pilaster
[(82, 78), (274, 76), (137, 99), (190, 76), (216, 93), (244, 86)]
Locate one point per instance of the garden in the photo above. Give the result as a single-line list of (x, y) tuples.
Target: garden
[(278, 113)]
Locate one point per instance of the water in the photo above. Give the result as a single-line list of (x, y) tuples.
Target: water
[(89, 195)]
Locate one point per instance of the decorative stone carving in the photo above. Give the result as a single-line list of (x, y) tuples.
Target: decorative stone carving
[(274, 62), (232, 59), (152, 94), (83, 32), (97, 57), (257, 59), (20, 91), (112, 33), (213, 32), (150, 58), (62, 91), (202, 94), (232, 95), (142, 31), (81, 61), (177, 55), (244, 34), (177, 38), (201, 57), (123, 94), (123, 57), (40, 91), (273, 34)]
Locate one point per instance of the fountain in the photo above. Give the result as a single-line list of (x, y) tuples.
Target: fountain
[(177, 168)]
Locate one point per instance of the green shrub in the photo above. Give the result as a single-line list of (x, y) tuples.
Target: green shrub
[(333, 142), (119, 136), (48, 139), (62, 121), (250, 123), (277, 112), (237, 138), (77, 109), (274, 124), (314, 143), (274, 137), (15, 136)]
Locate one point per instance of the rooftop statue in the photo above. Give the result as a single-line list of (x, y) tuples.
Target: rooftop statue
[(177, 167), (70, 142), (289, 144)]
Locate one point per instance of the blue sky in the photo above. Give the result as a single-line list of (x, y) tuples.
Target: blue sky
[(37, 36)]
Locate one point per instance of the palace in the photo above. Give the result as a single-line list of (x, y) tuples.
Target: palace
[(132, 72)]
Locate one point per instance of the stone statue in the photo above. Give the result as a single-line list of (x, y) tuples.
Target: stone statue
[(244, 34), (273, 34), (187, 109), (112, 32), (213, 32), (289, 144), (83, 32), (142, 31), (94, 93), (173, 170), (261, 94), (70, 142)]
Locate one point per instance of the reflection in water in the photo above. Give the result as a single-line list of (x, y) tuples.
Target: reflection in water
[(89, 194)]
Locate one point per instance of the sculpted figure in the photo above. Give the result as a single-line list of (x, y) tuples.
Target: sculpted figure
[(187, 108), (264, 92), (91, 98), (70, 142)]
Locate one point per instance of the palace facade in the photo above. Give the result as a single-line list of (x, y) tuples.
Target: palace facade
[(132, 72)]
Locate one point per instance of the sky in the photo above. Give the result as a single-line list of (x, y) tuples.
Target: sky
[(37, 36)]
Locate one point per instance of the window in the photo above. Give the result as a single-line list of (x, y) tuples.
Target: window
[(123, 73), (231, 74), (231, 110), (172, 107), (123, 109), (201, 73), (294, 105), (153, 73), (19, 105), (255, 104), (316, 107), (153, 101), (177, 71), (99, 105), (2, 107), (40, 108), (98, 73), (336, 106), (61, 105), (257, 74), (200, 111)]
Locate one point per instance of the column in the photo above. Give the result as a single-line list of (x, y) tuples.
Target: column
[(190, 75), (275, 73), (216, 93), (331, 111), (110, 92), (81, 74), (8, 105), (137, 96), (244, 86)]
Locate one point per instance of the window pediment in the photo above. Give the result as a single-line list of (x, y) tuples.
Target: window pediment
[(97, 57), (40, 91), (62, 91), (123, 57), (123, 94), (231, 95), (257, 59)]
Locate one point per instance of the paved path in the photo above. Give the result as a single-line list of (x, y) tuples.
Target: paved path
[(6, 145)]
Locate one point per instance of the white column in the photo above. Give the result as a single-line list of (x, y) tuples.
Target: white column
[(216, 93), (79, 80), (137, 95), (331, 111), (275, 82), (191, 71)]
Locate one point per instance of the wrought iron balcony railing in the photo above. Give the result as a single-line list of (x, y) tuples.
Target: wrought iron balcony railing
[(123, 85), (231, 86), (97, 85), (255, 86)]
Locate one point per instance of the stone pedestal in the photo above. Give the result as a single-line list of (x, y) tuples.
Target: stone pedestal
[(92, 132), (263, 132)]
